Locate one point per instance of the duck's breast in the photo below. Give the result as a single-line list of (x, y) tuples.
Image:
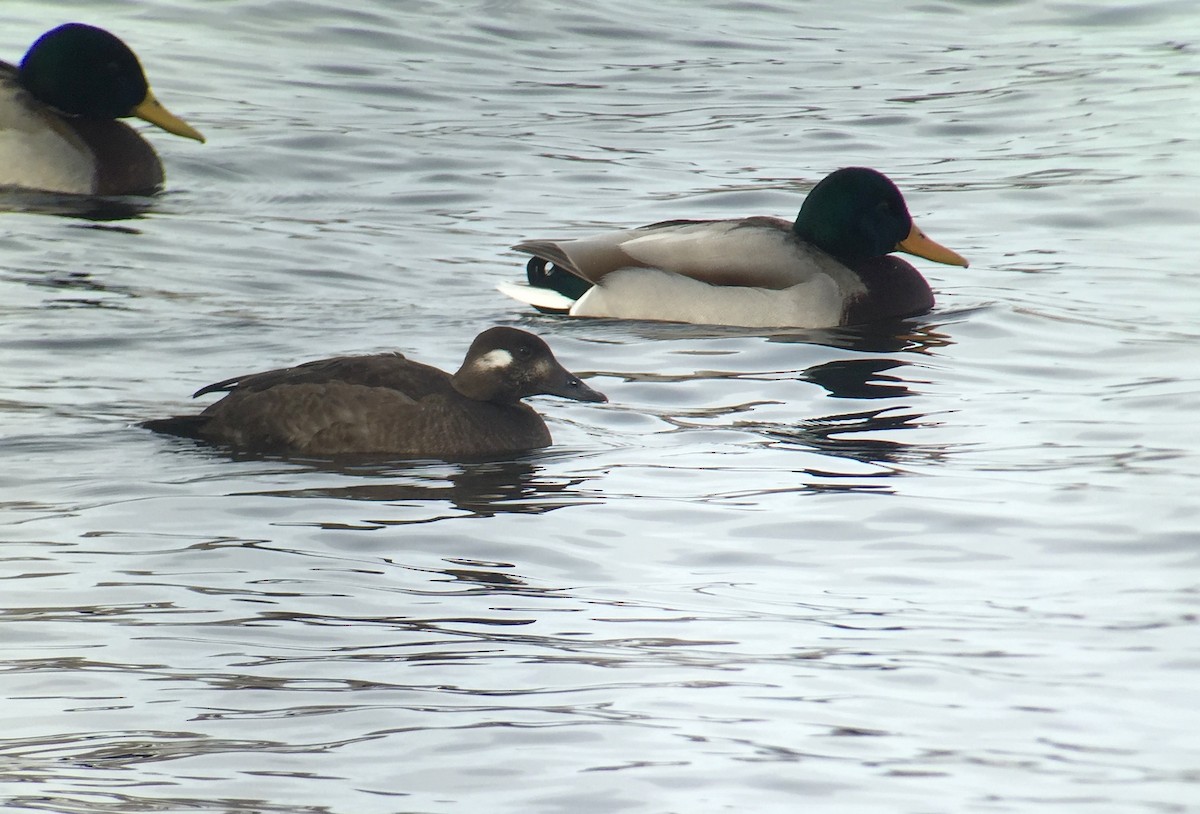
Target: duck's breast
[(38, 150)]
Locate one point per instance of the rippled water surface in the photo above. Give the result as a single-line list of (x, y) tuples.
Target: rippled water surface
[(944, 566)]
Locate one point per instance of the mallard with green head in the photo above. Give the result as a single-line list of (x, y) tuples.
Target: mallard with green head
[(58, 117), (832, 267)]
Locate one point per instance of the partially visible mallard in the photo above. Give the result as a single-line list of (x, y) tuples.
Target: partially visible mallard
[(58, 117), (831, 267)]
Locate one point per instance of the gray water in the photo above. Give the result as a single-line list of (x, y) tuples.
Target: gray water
[(950, 567)]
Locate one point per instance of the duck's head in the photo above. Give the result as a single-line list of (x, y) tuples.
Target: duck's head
[(505, 365), (85, 71), (857, 213)]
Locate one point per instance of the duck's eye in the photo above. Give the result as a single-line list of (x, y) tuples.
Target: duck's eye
[(524, 351)]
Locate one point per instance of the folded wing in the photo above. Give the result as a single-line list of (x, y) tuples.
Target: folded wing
[(758, 252)]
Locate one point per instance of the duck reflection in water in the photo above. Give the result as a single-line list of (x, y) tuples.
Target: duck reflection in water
[(855, 435), (478, 489), (97, 210), (848, 436), (852, 435), (860, 378)]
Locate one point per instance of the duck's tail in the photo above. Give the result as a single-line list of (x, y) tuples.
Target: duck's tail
[(546, 273), (185, 426), (551, 288), (545, 300)]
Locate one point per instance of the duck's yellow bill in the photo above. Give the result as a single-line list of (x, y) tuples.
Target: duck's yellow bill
[(916, 243), (151, 110)]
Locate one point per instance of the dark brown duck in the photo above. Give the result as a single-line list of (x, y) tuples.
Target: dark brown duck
[(388, 404)]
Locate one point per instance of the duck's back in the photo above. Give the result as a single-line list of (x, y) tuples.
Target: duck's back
[(392, 371), (762, 252)]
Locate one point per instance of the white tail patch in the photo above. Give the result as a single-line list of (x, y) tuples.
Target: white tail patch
[(539, 297), (494, 359)]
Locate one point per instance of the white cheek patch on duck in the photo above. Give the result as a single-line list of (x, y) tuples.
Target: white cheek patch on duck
[(494, 359)]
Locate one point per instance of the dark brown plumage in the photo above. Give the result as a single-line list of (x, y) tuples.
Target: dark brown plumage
[(388, 404)]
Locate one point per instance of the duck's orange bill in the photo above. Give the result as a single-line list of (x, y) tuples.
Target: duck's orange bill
[(151, 110), (916, 243)]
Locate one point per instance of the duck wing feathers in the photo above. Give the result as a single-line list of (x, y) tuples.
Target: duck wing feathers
[(761, 252), (391, 371)]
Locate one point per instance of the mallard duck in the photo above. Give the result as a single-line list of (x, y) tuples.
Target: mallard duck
[(58, 112), (387, 404), (831, 267)]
